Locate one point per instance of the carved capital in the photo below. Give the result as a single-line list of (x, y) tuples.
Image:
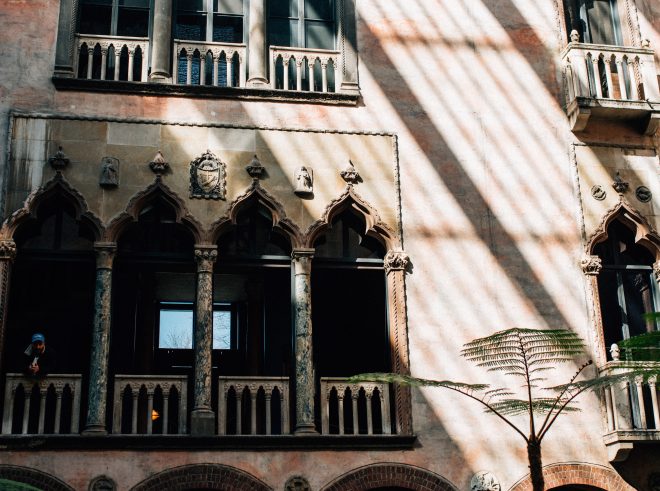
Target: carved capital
[(656, 271), (205, 256), (396, 261), (591, 265), (302, 260), (7, 250), (105, 254)]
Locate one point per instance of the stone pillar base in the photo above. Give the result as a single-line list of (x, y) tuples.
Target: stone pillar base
[(160, 78), (95, 430), (202, 422), (306, 429), (258, 83)]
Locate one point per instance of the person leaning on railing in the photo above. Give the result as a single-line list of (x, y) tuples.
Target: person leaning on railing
[(38, 361)]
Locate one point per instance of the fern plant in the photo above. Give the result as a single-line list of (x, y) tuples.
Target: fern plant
[(528, 355)]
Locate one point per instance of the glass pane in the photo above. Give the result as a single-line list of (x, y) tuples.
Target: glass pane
[(228, 6), (283, 32), (227, 29), (95, 19), (221, 329), (96, 2), (176, 328), (320, 9), (143, 4), (132, 22), (283, 8), (190, 27), (320, 35), (195, 5)]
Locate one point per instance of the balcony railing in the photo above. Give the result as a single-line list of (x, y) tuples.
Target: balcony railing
[(614, 81), (112, 58), (38, 406), (354, 408), (206, 63), (150, 404), (303, 69), (253, 405)]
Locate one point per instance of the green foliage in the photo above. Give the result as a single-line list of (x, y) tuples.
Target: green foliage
[(645, 347)]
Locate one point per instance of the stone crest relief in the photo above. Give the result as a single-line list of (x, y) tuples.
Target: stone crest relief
[(208, 177)]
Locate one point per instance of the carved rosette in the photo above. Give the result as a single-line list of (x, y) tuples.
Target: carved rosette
[(7, 250), (208, 177), (59, 161), (396, 261), (591, 265)]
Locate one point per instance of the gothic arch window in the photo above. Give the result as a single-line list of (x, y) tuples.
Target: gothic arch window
[(52, 285), (626, 286)]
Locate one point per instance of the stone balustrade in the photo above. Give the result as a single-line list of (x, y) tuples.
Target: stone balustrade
[(309, 64), (112, 58), (253, 405), (207, 63), (354, 408), (58, 399), (610, 72), (140, 400)]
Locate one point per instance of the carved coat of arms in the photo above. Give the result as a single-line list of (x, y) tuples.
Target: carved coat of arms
[(208, 177)]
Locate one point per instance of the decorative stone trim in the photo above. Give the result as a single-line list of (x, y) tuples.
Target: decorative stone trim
[(159, 165), (255, 168), (205, 256), (297, 483), (7, 250), (396, 261), (105, 254), (59, 161), (33, 477), (564, 474), (656, 271), (102, 483), (202, 476), (390, 474), (350, 174), (591, 265)]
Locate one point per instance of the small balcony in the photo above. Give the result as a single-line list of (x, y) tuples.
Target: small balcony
[(303, 69), (611, 83), (112, 58), (206, 63), (631, 409)]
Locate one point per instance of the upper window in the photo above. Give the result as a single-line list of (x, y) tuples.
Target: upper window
[(596, 21), (115, 17), (210, 20), (302, 23), (175, 324)]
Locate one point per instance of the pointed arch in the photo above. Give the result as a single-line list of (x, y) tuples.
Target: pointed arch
[(57, 186), (274, 207), (645, 234), (350, 199), (158, 189)]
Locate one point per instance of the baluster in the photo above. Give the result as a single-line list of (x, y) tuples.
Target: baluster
[(299, 63), (633, 83), (189, 59), (230, 68), (310, 70), (608, 76), (284, 408), (640, 402), (166, 409), (239, 406), (104, 59), (622, 79), (253, 410), (241, 71), (135, 394), (385, 409), (325, 408), (341, 400), (324, 76), (223, 402), (202, 69), (609, 408), (26, 409), (42, 409), (356, 426), (131, 56), (269, 396), (9, 410), (145, 63), (370, 423), (58, 409), (90, 61), (599, 89), (654, 402), (75, 406), (117, 61), (273, 64), (216, 61), (285, 65), (150, 408)]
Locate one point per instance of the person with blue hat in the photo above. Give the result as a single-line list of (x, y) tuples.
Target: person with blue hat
[(38, 361)]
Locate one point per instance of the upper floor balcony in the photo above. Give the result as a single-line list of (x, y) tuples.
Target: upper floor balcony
[(631, 408), (611, 83)]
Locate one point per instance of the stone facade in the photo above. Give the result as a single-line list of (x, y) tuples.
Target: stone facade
[(453, 133)]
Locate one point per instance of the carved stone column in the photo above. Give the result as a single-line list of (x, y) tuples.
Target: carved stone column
[(162, 44), (304, 370), (257, 44), (100, 349), (395, 265), (591, 267), (202, 421), (7, 256)]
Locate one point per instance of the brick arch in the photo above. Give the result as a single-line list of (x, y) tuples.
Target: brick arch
[(33, 477), (202, 476), (557, 475), (390, 474)]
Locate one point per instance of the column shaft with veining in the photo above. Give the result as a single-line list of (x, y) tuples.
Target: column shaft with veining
[(257, 44), (161, 51)]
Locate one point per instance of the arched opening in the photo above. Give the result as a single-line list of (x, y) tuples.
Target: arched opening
[(576, 487)]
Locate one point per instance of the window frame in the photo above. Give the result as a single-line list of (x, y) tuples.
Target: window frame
[(114, 18), (210, 14), (302, 19)]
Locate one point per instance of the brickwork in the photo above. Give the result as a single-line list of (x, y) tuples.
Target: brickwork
[(202, 476), (381, 475), (35, 478), (587, 474)]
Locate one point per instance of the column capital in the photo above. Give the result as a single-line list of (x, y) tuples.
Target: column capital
[(7, 250), (105, 254), (396, 261), (302, 260), (656, 271), (205, 255), (591, 265)]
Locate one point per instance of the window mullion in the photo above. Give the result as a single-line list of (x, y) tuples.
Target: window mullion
[(114, 18), (302, 38)]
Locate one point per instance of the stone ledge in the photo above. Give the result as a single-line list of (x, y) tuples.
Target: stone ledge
[(219, 443), (644, 114), (203, 92)]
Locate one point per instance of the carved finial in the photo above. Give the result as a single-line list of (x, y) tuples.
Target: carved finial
[(619, 185), (575, 36), (255, 168), (646, 43), (159, 165), (58, 161), (350, 174), (615, 351)]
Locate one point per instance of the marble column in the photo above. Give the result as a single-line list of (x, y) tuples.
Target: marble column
[(257, 44), (395, 264), (202, 421), (7, 256), (161, 48), (100, 349), (304, 370)]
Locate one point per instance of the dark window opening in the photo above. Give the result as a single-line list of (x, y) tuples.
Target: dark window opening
[(205, 20), (114, 17), (596, 21)]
